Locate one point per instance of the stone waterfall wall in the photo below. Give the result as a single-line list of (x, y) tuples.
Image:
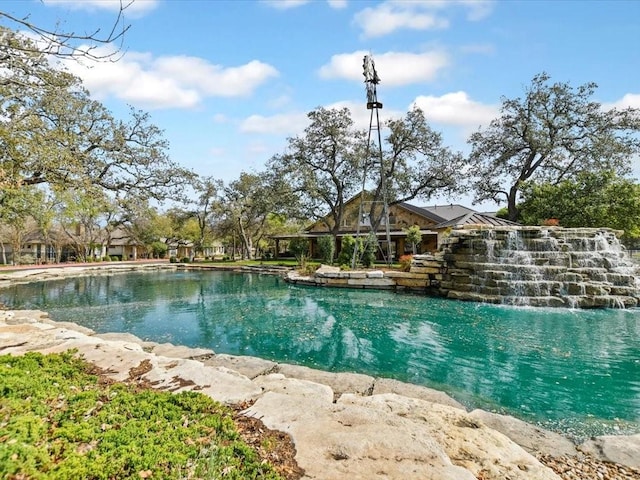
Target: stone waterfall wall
[(537, 266)]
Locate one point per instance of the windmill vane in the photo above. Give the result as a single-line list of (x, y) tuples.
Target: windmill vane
[(371, 79)]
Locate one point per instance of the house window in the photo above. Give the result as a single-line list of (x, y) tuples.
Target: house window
[(346, 222)]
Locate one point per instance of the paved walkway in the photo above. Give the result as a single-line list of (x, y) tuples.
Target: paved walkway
[(4, 268)]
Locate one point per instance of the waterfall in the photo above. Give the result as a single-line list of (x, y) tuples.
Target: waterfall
[(540, 266)]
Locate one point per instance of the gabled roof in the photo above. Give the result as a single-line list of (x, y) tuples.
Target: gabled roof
[(448, 212), (423, 212), (476, 218)]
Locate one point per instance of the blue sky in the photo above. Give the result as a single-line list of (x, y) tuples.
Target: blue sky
[(230, 81)]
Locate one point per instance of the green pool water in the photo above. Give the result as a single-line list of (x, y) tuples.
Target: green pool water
[(577, 371)]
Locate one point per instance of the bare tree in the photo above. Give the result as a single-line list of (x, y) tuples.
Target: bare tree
[(56, 42)]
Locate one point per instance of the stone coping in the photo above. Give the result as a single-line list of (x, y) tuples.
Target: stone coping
[(344, 425)]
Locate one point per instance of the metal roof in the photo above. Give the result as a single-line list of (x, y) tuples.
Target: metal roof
[(448, 212), (476, 218), (422, 212)]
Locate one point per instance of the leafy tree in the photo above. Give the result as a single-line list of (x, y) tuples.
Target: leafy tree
[(592, 199), (550, 135), (414, 237), (347, 247), (368, 249), (325, 166), (416, 163), (159, 249), (300, 249), (15, 211), (208, 191), (45, 214), (246, 208), (81, 215), (326, 249), (53, 134), (322, 167), (146, 225)]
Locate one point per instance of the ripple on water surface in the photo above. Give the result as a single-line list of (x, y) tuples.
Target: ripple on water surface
[(576, 370)]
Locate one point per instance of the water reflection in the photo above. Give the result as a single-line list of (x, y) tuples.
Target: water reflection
[(550, 365)]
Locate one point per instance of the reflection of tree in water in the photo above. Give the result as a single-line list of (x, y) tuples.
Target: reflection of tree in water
[(554, 360)]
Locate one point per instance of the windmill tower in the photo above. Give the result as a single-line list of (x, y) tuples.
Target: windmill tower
[(371, 81)]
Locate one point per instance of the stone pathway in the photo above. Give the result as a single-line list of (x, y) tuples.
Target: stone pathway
[(343, 425)]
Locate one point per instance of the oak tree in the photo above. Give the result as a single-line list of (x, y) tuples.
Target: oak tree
[(322, 167), (591, 199), (52, 133), (551, 134)]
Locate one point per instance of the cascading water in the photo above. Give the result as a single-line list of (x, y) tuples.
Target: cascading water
[(539, 266)]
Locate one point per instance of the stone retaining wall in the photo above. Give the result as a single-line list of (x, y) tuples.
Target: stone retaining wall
[(536, 266)]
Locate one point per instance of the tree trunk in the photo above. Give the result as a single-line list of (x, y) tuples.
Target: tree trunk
[(246, 242), (511, 204)]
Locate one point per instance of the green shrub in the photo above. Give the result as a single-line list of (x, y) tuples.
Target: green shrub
[(369, 251), (173, 259), (346, 251), (300, 249), (185, 260), (326, 249), (414, 237), (159, 249), (309, 269), (63, 423)]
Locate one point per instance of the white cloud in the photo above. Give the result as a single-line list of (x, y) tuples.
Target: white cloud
[(389, 17), (394, 68), (456, 109), (478, 9), (629, 100), (170, 81), (289, 4), (280, 124), (362, 117), (392, 15), (136, 7), (294, 123), (337, 4), (285, 4), (214, 80)]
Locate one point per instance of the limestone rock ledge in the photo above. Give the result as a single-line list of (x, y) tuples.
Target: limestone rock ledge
[(343, 425)]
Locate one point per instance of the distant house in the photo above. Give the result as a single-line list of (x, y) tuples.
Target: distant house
[(121, 244), (434, 221), (181, 249), (213, 249)]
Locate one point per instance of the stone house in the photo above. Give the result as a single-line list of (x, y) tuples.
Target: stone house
[(434, 222)]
